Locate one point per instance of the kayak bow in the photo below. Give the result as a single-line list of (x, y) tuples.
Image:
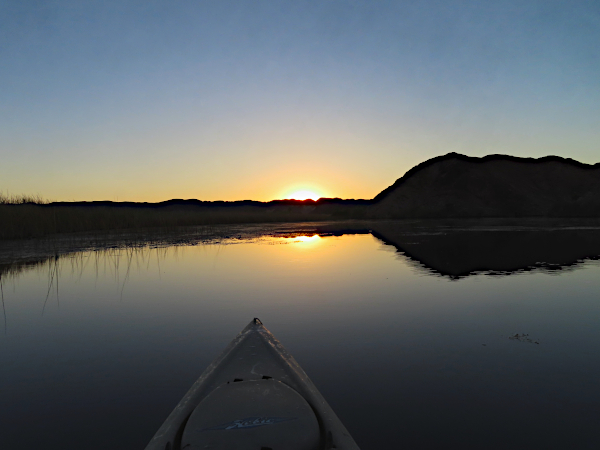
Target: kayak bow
[(253, 396)]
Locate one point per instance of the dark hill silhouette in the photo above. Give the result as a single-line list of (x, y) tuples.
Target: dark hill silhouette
[(455, 185)]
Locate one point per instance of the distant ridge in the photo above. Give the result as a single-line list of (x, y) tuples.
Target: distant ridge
[(455, 185), (212, 203)]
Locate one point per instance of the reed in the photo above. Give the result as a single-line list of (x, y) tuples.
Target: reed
[(11, 199)]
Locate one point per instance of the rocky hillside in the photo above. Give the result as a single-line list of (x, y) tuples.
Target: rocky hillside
[(455, 185)]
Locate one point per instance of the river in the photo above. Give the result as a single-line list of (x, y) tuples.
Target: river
[(424, 335)]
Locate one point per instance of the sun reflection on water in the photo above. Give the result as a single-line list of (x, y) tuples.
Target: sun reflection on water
[(307, 241)]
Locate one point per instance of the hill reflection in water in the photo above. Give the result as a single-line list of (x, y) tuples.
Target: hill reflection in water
[(457, 251)]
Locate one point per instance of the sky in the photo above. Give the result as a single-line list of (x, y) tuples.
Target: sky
[(231, 100)]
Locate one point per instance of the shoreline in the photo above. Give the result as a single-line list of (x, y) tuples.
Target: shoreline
[(26, 252)]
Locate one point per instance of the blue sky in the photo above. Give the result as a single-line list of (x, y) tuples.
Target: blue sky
[(151, 100)]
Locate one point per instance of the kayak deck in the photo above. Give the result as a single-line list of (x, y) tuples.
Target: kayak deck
[(254, 395)]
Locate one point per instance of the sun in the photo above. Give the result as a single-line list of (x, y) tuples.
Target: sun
[(304, 195)]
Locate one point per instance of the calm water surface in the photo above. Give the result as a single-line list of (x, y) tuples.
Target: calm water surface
[(98, 347)]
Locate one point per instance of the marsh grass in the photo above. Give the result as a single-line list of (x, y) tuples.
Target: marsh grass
[(20, 219), (11, 199)]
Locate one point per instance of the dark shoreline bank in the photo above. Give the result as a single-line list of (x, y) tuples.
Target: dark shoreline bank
[(28, 220)]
